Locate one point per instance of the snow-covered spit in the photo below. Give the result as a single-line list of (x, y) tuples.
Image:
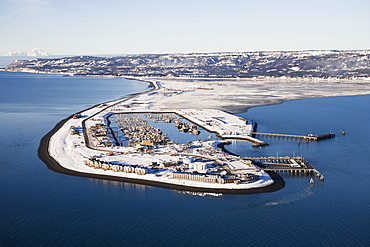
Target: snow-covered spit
[(197, 100), (238, 95), (72, 151)]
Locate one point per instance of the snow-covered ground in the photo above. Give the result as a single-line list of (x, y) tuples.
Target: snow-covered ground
[(203, 102), (71, 151), (238, 95)]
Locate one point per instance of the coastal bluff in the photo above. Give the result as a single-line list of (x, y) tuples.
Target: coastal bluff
[(324, 64)]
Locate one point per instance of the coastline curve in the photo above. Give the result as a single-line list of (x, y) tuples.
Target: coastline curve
[(52, 164)]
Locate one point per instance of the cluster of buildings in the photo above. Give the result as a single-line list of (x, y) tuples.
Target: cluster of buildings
[(139, 132), (99, 136), (191, 173), (183, 168), (116, 168), (217, 178)]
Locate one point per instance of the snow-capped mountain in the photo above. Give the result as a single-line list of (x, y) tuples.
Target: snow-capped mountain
[(37, 52)]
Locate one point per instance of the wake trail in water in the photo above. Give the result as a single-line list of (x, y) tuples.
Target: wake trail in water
[(307, 192)]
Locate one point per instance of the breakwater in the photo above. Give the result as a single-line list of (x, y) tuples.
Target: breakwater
[(310, 137)]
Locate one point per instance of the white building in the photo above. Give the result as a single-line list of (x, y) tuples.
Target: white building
[(198, 166)]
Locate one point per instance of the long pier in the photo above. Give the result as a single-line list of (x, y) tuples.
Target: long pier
[(284, 164), (309, 137)]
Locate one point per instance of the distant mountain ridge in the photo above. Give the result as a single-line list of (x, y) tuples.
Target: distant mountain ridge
[(276, 64), (37, 52)]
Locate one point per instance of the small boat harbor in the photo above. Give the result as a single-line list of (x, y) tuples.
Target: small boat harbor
[(130, 138), (198, 160)]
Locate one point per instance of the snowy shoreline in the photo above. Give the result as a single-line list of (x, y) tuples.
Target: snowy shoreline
[(237, 95), (58, 150), (68, 154), (53, 163)]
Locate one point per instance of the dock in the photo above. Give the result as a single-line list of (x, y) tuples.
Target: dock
[(286, 164), (309, 137)]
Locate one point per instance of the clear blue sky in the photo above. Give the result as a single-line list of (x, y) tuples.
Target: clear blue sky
[(91, 27)]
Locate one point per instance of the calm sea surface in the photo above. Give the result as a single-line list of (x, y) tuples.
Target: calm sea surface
[(39, 207)]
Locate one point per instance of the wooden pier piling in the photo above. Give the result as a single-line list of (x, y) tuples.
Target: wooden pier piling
[(286, 164), (309, 137)]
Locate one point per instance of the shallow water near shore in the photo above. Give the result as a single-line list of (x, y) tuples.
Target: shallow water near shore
[(40, 207)]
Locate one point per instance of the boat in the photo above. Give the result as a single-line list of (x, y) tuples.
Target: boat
[(185, 127), (259, 144), (196, 131), (311, 181)]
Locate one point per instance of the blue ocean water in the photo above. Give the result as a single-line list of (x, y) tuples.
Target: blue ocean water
[(39, 207)]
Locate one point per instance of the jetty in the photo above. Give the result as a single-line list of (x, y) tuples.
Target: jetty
[(286, 164), (310, 137)]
